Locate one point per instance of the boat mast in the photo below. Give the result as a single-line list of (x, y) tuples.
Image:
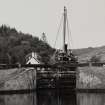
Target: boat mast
[(64, 28)]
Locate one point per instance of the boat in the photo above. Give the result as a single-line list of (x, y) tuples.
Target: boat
[(64, 56), (62, 74)]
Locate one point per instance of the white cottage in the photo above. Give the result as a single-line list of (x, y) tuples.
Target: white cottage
[(32, 58)]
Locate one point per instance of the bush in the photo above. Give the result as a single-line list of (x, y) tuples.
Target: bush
[(95, 59)]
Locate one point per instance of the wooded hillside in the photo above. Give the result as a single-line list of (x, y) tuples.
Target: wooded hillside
[(14, 46)]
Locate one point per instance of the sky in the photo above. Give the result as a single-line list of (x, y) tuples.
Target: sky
[(86, 19)]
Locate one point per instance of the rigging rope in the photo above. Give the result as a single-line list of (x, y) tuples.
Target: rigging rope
[(68, 30), (58, 31), (69, 45), (69, 33)]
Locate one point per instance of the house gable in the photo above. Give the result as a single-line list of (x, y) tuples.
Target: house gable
[(31, 58)]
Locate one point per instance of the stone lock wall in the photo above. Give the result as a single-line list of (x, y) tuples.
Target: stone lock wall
[(91, 77), (24, 78)]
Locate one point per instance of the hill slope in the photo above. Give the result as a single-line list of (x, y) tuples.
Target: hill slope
[(14, 46), (86, 54)]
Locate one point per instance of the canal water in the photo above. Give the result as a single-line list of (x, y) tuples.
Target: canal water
[(53, 97)]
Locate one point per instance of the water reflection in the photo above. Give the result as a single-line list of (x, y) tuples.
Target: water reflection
[(39, 98), (53, 98), (90, 99), (17, 99), (56, 98)]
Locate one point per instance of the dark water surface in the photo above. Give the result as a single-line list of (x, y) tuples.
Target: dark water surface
[(53, 97)]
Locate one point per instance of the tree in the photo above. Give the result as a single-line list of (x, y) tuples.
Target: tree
[(95, 59), (44, 38), (14, 45)]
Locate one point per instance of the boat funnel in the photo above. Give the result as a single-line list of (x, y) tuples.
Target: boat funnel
[(66, 48)]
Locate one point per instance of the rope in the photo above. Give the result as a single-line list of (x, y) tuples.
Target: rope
[(58, 30), (69, 33), (68, 30)]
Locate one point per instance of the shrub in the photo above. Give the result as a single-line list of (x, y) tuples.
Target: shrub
[(95, 59)]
